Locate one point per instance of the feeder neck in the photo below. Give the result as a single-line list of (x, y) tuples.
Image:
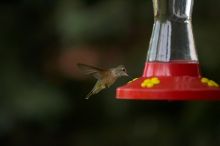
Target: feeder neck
[(173, 10)]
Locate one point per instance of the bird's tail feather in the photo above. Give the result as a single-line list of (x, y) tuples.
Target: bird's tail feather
[(96, 89), (89, 94)]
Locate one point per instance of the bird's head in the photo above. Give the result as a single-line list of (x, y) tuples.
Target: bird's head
[(119, 71)]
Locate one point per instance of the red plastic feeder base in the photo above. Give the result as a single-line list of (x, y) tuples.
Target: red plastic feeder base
[(170, 81)]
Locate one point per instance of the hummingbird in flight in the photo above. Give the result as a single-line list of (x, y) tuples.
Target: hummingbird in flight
[(105, 77)]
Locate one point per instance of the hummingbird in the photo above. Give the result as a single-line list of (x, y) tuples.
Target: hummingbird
[(105, 77)]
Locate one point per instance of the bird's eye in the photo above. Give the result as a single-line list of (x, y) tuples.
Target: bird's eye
[(123, 69)]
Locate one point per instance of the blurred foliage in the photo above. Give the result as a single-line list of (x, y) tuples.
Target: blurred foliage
[(42, 93)]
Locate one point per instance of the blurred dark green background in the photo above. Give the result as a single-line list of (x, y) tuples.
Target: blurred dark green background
[(42, 92)]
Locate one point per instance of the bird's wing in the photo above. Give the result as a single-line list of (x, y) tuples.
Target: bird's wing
[(91, 70)]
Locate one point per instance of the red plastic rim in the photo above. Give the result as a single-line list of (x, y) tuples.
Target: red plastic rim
[(170, 88), (173, 68), (177, 81)]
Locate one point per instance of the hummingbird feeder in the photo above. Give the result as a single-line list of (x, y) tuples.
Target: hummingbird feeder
[(172, 69)]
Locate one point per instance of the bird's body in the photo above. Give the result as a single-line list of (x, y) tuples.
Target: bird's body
[(105, 77)]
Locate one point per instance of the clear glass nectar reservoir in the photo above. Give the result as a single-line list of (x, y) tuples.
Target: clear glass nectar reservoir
[(172, 36)]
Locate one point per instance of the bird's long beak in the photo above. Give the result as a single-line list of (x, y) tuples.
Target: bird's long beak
[(126, 74)]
